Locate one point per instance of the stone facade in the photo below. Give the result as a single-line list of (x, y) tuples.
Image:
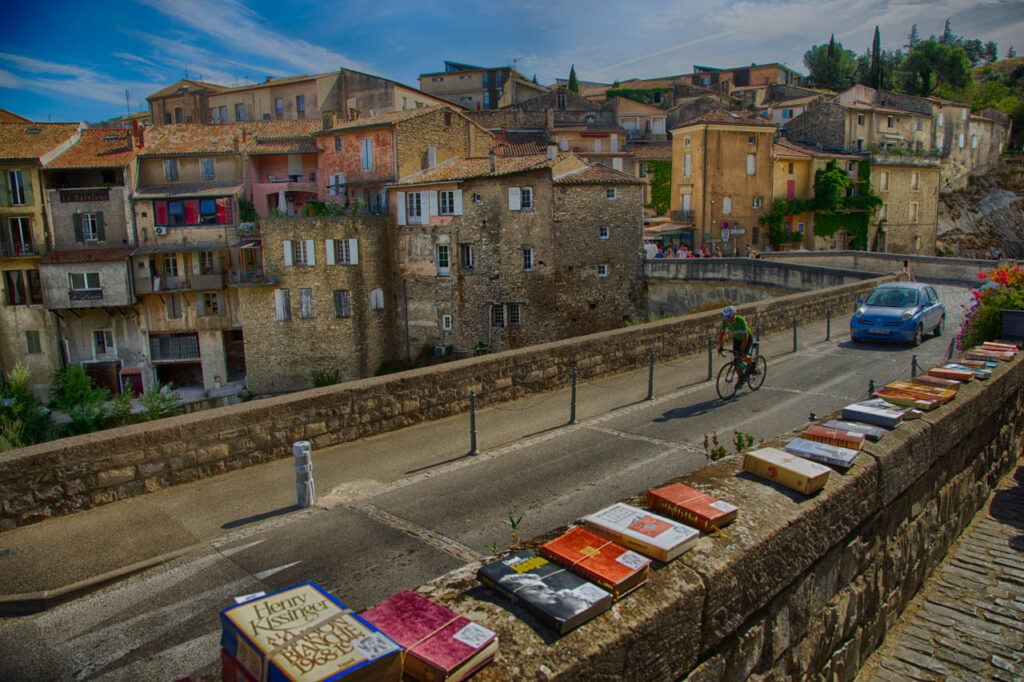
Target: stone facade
[(909, 189), (823, 123)]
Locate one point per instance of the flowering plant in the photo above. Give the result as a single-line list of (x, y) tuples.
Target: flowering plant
[(983, 321)]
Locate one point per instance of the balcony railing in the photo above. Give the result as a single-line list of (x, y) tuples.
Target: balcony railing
[(205, 282), (298, 177), (85, 294), (682, 216), (174, 348), (249, 278), (17, 250)]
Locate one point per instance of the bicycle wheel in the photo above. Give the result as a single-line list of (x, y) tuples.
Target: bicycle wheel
[(757, 373), (726, 384)]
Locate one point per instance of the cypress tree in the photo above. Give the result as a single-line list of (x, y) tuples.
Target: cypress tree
[(876, 61), (574, 84)]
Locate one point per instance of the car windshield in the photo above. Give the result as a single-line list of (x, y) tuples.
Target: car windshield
[(893, 298)]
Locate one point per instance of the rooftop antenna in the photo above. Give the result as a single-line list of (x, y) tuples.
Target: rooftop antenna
[(514, 60)]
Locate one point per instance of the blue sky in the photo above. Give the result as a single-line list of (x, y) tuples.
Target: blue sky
[(73, 61)]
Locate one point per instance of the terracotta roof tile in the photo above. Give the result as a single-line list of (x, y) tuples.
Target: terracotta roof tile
[(788, 150), (521, 142), (597, 175), (724, 117), (17, 142), (474, 167), (388, 118), (584, 128), (95, 150), (285, 147), (85, 256), (651, 151), (195, 138)]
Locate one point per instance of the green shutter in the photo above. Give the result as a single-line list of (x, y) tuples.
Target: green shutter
[(76, 218), (26, 178), (4, 201), (100, 234)]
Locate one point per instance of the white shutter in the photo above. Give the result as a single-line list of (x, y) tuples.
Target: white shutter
[(613, 146), (432, 205), (287, 252), (726, 205), (750, 164), (597, 145), (310, 252), (513, 199), (686, 165), (331, 185), (659, 126), (431, 156), (457, 194), (329, 247), (353, 250), (617, 164), (401, 207), (686, 202)]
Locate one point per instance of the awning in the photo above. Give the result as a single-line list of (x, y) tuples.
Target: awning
[(246, 244), (666, 228), (892, 136)]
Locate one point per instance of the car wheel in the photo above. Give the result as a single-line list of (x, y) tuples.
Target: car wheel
[(941, 326), (918, 335)]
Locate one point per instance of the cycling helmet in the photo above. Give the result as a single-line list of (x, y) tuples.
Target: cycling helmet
[(729, 311)]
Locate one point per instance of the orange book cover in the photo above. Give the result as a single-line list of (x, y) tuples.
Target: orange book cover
[(998, 347), (907, 398), (961, 375), (943, 395), (692, 507), (990, 355), (598, 560), (929, 380), (831, 436)]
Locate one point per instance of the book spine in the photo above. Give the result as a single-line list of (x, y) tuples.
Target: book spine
[(838, 441), (684, 515)]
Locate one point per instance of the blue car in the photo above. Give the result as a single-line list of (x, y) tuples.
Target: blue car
[(898, 311)]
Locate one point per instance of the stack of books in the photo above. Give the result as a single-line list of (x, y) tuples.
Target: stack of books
[(943, 395), (439, 643), (871, 433), (657, 537), (558, 598), (870, 412), (303, 634), (979, 373), (844, 438), (953, 373), (601, 561), (786, 469), (929, 380), (822, 452), (905, 398), (692, 507)]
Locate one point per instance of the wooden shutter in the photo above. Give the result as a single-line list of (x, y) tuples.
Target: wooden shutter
[(431, 205), (26, 179), (329, 248), (353, 250), (310, 252), (457, 195), (76, 218), (287, 245), (191, 211), (4, 201), (513, 199), (160, 212), (224, 210), (100, 233), (401, 207)]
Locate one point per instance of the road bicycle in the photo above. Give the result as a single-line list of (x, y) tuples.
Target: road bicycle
[(734, 373)]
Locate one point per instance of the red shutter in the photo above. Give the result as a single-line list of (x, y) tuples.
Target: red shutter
[(160, 210), (224, 210), (192, 211), (790, 189)]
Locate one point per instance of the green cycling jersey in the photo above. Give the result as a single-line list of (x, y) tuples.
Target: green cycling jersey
[(737, 325)]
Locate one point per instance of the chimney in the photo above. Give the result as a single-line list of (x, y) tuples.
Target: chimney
[(552, 152), (494, 158), (269, 78), (245, 135), (142, 136), (549, 117), (328, 119), (133, 134)]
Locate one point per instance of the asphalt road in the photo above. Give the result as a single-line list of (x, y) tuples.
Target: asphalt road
[(163, 624)]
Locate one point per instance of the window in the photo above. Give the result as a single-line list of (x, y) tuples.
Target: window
[(883, 212), (414, 207), (974, 141), (16, 187), (514, 319), (207, 165), (642, 167), (561, 101), (520, 198), (617, 164), (790, 167), (751, 163), (446, 322), (32, 342), (963, 114), (443, 265), (757, 235), (611, 193), (14, 283), (342, 251), (282, 305), (224, 114), (487, 100), (178, 115), (367, 153), (213, 115), (497, 315), (447, 119), (960, 140), (466, 256), (208, 214), (913, 212), (84, 281), (751, 140), (103, 342), (686, 165), (889, 122), (597, 145), (447, 202), (726, 205), (883, 181), (210, 304), (337, 144), (915, 181), (90, 227), (405, 103), (342, 303), (758, 202), (171, 170), (604, 232), (800, 228), (686, 141), (240, 114), (279, 106), (300, 104), (527, 259), (305, 302), (602, 270), (171, 265), (377, 299), (920, 124), (173, 306), (860, 144)]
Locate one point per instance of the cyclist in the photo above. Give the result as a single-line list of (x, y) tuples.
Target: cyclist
[(741, 336)]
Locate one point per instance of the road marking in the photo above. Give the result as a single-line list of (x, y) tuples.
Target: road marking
[(671, 445), (235, 550), (263, 575), (427, 536)]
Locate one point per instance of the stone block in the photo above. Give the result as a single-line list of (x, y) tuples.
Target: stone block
[(113, 477), (151, 468)]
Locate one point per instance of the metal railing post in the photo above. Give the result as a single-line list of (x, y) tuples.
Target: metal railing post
[(794, 333), (871, 386), (572, 408), (828, 324), (757, 333), (472, 423), (305, 494), (710, 346), (913, 366), (650, 379)]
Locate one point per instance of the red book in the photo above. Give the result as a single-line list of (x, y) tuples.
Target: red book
[(961, 375), (440, 644), (838, 437), (601, 561), (231, 670), (907, 398), (929, 380), (692, 507)]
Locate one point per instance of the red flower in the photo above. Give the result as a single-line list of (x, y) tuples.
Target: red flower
[(982, 275)]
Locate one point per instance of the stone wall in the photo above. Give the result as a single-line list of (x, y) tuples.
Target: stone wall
[(797, 587), (68, 475), (822, 123), (922, 267), (792, 276)]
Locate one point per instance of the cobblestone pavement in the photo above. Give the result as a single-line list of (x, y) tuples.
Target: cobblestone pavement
[(967, 622)]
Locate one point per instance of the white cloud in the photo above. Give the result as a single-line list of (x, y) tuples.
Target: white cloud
[(70, 79)]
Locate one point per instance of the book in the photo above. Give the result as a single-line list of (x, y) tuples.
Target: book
[(1000, 346), (303, 634), (555, 596), (231, 670), (871, 414), (979, 373), (974, 363), (439, 643), (599, 560), (692, 507), (962, 375), (907, 398), (786, 469), (987, 355), (943, 395), (843, 438), (872, 433), (657, 537), (929, 380), (822, 452)]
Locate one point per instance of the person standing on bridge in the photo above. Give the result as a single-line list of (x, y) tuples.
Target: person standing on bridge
[(741, 335)]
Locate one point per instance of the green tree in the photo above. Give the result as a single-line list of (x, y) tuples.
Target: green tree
[(991, 52), (948, 37), (160, 401), (831, 66), (975, 51), (535, 79), (574, 84), (23, 419), (73, 392), (913, 38), (930, 65), (1011, 53), (876, 60)]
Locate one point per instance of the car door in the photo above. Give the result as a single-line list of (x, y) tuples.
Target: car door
[(937, 308), (930, 316)]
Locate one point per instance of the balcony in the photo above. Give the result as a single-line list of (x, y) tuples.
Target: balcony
[(300, 177), (174, 348), (205, 282), (682, 216), (17, 249), (85, 294), (251, 278)]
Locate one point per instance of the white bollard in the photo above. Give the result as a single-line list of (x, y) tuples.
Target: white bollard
[(305, 494)]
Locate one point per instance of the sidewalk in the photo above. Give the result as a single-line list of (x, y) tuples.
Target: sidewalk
[(44, 563)]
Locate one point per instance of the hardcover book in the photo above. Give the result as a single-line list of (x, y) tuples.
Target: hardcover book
[(440, 644), (303, 634), (975, 363), (988, 355), (929, 380), (843, 438), (871, 414), (907, 398), (979, 373), (650, 534), (962, 375), (603, 562), (943, 395), (786, 469), (692, 507), (999, 346), (822, 452), (872, 433), (558, 598)]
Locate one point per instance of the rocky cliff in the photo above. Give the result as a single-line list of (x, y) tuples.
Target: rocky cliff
[(987, 215)]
